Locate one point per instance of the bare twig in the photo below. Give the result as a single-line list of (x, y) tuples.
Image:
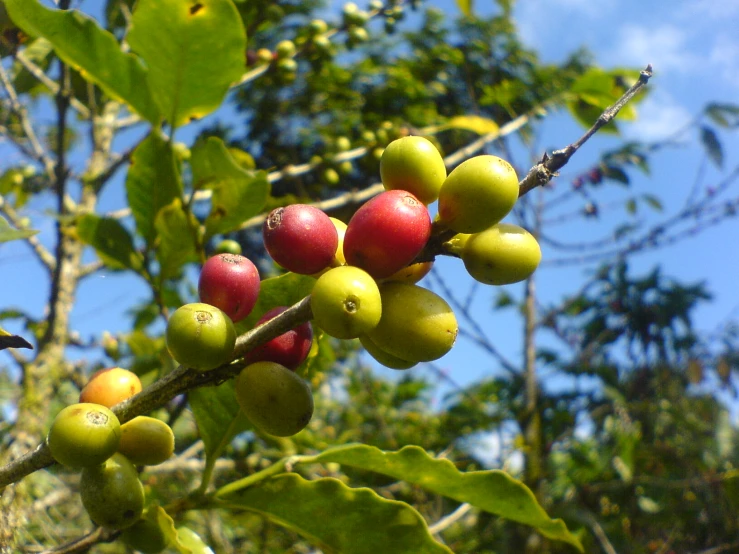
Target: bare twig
[(547, 168), (37, 151), (452, 518), (46, 258), (49, 83)]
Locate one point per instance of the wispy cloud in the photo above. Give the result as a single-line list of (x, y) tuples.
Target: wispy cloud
[(660, 116), (666, 47)]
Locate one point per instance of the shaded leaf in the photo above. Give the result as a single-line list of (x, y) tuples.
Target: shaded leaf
[(176, 241), (111, 241), (616, 174), (194, 51), (631, 206), (336, 518), (218, 416), (153, 181), (8, 340), (653, 202), (238, 194), (724, 115), (7, 233), (710, 141), (285, 290), (474, 123), (93, 51), (493, 491)]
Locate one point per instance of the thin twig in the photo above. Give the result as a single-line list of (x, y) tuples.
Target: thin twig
[(49, 83), (46, 258), (547, 168), (38, 151), (452, 518)]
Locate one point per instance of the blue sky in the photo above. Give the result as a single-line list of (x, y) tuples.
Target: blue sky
[(693, 47)]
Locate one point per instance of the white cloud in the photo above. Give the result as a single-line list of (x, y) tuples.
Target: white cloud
[(659, 117), (724, 56), (665, 47)]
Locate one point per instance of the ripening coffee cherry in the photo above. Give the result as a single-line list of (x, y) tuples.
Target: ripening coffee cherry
[(285, 49), (276, 400), (412, 273), (84, 435), (477, 194), (231, 283), (146, 441), (387, 233), (416, 325), (228, 246), (382, 357), (200, 336), (110, 386), (300, 238), (289, 349), (112, 493), (346, 302), (147, 535), (414, 164), (501, 255), (339, 258)]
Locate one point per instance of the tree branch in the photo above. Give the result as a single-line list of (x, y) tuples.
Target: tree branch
[(175, 383)]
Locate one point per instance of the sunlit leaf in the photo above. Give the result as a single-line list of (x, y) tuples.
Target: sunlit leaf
[(111, 241), (336, 518), (153, 181), (474, 123), (189, 542), (465, 6), (194, 50), (93, 51), (493, 491), (176, 238), (7, 233), (238, 194)]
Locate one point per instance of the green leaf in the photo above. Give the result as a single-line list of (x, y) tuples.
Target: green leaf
[(153, 181), (189, 542), (94, 52), (194, 50), (616, 174), (710, 141), (474, 123), (493, 491), (336, 518), (465, 6), (218, 416), (176, 241), (238, 194), (7, 233), (111, 241), (8, 340), (285, 290), (38, 52)]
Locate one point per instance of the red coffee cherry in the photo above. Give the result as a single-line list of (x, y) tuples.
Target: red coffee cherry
[(300, 238), (387, 233), (289, 349), (230, 283)]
